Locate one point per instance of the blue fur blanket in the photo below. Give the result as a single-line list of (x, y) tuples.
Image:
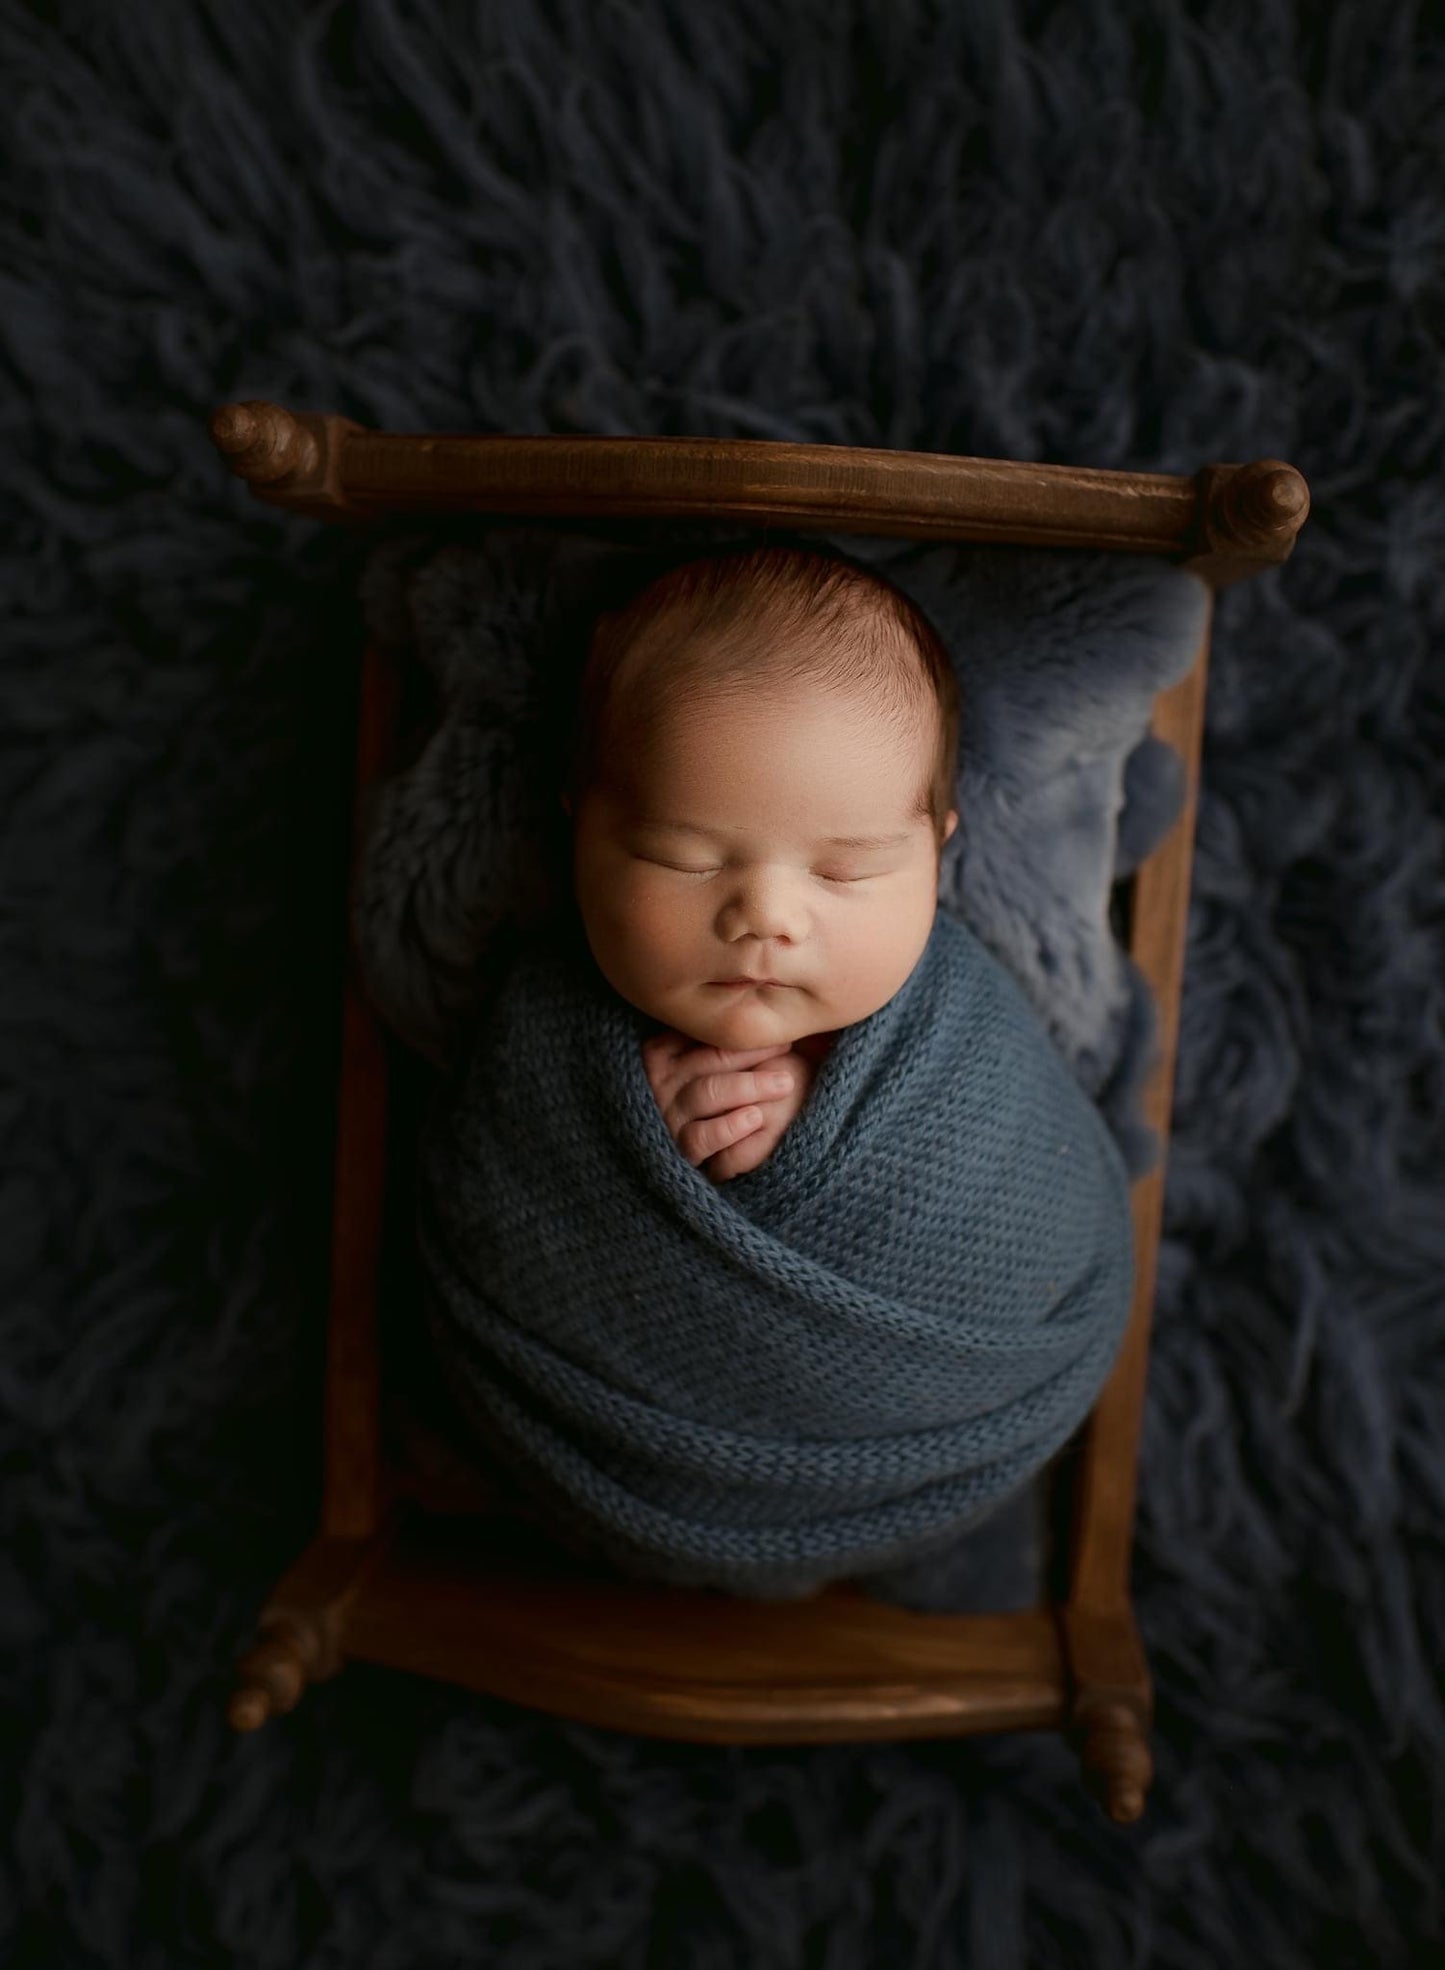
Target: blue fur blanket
[(836, 1361)]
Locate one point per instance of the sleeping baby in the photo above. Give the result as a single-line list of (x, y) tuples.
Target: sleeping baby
[(767, 1238), (761, 785)]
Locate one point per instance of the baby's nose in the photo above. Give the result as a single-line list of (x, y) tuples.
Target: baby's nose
[(767, 906)]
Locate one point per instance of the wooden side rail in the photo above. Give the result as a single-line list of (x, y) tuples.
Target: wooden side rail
[(1226, 521), (501, 1614), (1112, 1696)]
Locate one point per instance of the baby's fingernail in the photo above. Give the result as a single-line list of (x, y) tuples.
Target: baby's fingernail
[(777, 1083)]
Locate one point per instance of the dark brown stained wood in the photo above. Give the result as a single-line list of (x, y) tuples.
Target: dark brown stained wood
[(1249, 517), (1111, 1704), (353, 1480), (921, 494), (1159, 923), (289, 458), (303, 1627), (706, 1667), (1232, 521), (468, 1590)]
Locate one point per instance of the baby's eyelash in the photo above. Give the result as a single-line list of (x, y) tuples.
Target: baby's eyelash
[(681, 869)]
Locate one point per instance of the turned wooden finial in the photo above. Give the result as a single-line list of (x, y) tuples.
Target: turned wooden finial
[(1116, 1760), (1260, 503), (272, 1677), (262, 443)]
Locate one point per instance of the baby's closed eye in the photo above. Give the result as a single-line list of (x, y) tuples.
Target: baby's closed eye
[(834, 876)]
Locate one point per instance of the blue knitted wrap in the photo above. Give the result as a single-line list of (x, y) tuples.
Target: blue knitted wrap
[(837, 1360)]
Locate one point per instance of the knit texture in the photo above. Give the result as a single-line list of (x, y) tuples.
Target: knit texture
[(826, 1364)]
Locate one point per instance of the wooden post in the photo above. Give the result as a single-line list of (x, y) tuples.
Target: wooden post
[(1113, 1701), (303, 1628)]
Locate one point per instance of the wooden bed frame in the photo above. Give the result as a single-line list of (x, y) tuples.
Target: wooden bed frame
[(413, 1570)]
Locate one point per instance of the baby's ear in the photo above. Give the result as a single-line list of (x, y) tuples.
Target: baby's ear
[(950, 823)]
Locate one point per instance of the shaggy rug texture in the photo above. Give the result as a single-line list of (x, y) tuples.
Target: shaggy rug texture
[(1127, 235)]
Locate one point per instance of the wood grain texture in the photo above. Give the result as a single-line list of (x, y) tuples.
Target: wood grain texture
[(844, 488), (1111, 1694), (1159, 920), (1227, 519), (451, 1602)]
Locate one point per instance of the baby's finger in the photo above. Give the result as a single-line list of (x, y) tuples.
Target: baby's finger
[(699, 1140), (738, 1159), (711, 1094)]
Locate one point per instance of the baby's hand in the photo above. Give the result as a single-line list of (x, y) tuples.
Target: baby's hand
[(723, 1106)]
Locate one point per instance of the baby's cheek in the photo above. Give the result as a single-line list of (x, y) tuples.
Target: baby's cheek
[(879, 952), (658, 928), (859, 974)]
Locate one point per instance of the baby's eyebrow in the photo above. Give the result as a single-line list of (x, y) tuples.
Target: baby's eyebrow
[(864, 841)]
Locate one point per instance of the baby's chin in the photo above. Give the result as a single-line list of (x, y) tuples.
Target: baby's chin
[(767, 1016)]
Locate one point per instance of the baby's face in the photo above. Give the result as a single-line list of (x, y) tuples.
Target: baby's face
[(729, 860)]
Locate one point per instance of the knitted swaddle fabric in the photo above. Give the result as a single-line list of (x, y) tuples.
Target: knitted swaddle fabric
[(838, 1360)]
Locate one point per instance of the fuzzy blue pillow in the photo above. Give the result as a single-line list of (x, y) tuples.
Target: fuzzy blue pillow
[(1060, 791)]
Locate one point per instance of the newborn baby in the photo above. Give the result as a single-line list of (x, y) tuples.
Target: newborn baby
[(767, 1239), (761, 787)]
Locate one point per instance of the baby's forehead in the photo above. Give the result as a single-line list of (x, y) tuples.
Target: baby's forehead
[(703, 769), (775, 714)]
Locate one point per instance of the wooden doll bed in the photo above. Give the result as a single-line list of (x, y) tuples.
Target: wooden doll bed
[(411, 1568)]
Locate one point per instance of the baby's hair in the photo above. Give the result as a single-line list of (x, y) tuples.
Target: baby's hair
[(827, 619)]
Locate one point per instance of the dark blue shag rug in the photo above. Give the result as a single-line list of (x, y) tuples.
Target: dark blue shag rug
[(1130, 235)]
